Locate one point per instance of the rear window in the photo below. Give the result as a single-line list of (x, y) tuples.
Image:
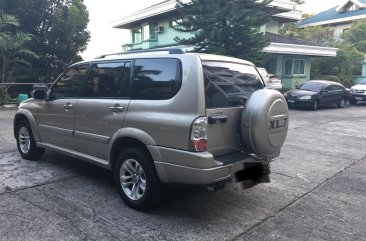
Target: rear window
[(229, 84), (156, 79)]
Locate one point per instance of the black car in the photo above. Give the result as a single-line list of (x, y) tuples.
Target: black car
[(317, 93)]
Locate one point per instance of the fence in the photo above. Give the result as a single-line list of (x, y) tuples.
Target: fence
[(9, 92)]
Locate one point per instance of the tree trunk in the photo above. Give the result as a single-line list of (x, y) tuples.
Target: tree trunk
[(3, 70)]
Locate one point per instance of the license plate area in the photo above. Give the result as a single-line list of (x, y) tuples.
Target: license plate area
[(291, 101)]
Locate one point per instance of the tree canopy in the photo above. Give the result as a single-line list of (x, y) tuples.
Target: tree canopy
[(12, 43), (356, 36), (227, 27), (58, 29)]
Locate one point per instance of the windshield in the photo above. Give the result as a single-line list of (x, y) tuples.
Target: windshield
[(229, 84), (363, 82), (311, 86)]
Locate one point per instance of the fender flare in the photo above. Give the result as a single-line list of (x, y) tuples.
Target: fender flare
[(32, 122)]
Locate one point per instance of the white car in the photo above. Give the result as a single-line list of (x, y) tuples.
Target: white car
[(358, 92), (272, 81)]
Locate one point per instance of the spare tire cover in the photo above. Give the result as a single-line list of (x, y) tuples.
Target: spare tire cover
[(264, 122)]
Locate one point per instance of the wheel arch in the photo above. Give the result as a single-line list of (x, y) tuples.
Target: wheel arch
[(132, 137), (26, 115)]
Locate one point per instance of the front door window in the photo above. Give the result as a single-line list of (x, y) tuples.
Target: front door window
[(68, 86)]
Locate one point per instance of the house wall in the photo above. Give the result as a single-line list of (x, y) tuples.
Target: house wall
[(276, 65), (167, 37), (272, 27), (339, 29)]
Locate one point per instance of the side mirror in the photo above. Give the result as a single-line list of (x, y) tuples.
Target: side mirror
[(324, 91), (39, 94)]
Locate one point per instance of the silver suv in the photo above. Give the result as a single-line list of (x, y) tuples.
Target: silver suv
[(157, 117)]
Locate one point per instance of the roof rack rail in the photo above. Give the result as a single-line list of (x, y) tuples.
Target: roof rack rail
[(169, 50)]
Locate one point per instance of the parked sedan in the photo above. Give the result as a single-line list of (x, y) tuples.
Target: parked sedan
[(358, 93), (316, 93)]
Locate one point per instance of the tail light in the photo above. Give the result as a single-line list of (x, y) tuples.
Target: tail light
[(270, 81), (199, 135)]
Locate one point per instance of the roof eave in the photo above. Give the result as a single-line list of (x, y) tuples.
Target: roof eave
[(358, 3), (282, 6), (295, 49), (333, 21)]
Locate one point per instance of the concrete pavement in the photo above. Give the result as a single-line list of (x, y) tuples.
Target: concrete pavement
[(318, 192)]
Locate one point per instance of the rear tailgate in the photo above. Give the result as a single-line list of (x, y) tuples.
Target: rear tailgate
[(227, 87)]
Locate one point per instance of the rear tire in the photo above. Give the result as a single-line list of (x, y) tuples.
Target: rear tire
[(27, 147), (341, 103), (315, 105), (136, 179)]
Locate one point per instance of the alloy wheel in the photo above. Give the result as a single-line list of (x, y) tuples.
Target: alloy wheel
[(24, 140), (132, 178)]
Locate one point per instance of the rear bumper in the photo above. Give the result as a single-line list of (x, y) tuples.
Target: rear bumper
[(177, 166)]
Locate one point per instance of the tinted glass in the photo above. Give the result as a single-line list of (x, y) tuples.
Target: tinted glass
[(229, 84), (312, 86), (156, 79), (329, 88), (337, 87), (108, 80), (68, 85)]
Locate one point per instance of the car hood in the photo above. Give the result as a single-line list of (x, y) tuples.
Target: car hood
[(301, 93), (359, 87)]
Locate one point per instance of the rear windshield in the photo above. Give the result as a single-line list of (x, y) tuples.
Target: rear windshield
[(229, 84)]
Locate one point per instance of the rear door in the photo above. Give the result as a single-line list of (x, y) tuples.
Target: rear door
[(338, 93), (227, 87), (102, 107), (327, 95)]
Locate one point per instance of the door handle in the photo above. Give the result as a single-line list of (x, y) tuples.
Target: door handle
[(212, 119), (68, 106), (117, 108)]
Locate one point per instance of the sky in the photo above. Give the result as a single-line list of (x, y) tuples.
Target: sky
[(105, 39)]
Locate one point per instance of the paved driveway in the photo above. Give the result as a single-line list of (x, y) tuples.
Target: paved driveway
[(318, 192)]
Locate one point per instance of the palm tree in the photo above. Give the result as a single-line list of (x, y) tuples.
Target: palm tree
[(12, 43)]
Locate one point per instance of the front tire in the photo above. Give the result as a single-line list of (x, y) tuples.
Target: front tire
[(27, 147), (315, 105), (341, 103), (353, 102), (136, 179)]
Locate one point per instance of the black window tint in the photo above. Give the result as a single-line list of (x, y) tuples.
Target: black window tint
[(68, 85), (337, 87), (108, 80), (329, 88), (156, 79), (229, 84)]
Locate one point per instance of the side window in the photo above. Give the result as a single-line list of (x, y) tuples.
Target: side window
[(329, 88), (108, 80), (156, 79), (337, 87), (68, 85)]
